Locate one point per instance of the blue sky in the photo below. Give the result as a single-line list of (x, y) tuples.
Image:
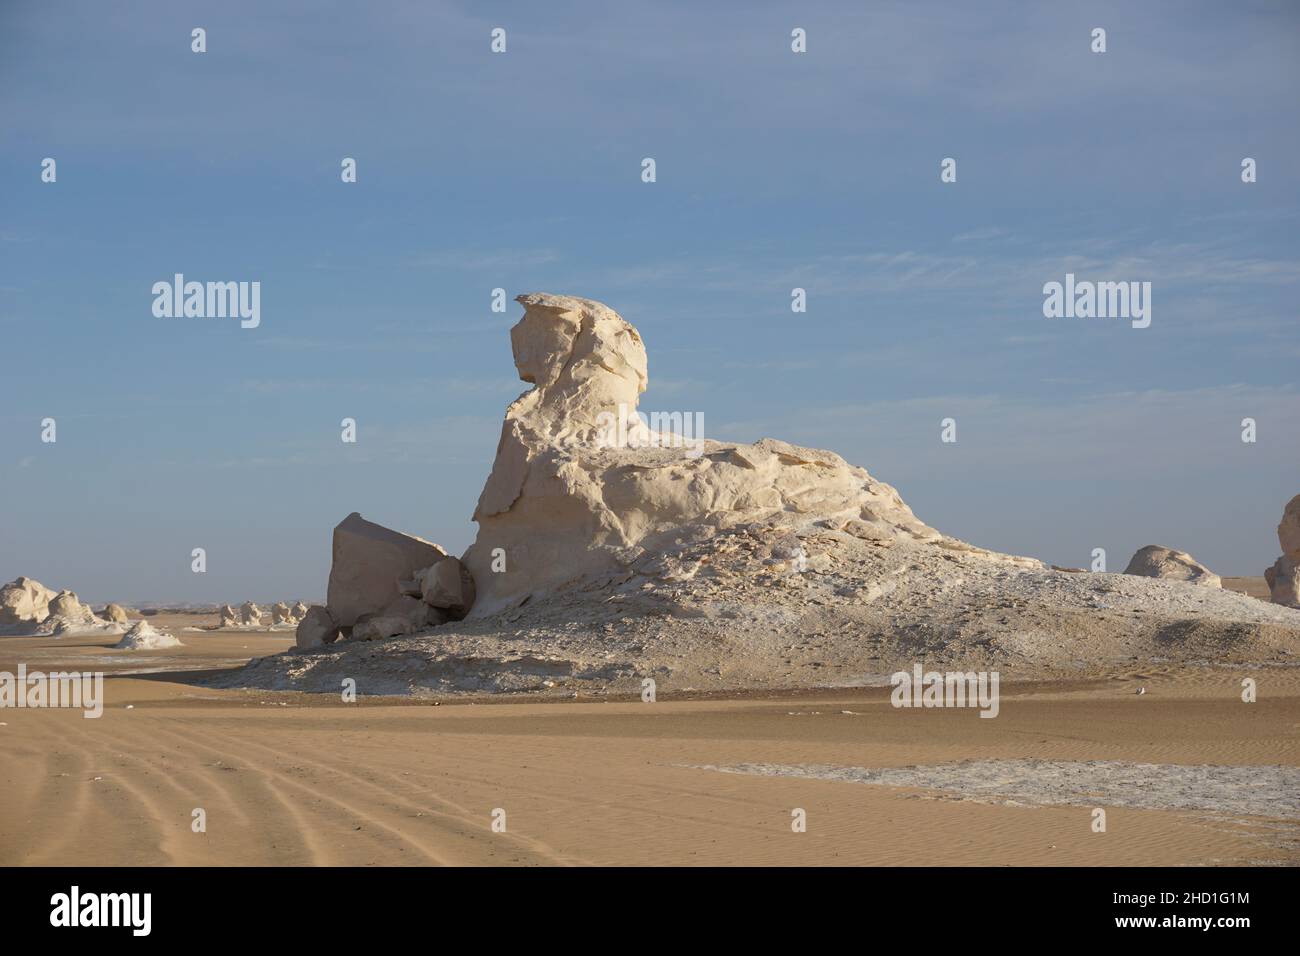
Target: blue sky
[(522, 170)]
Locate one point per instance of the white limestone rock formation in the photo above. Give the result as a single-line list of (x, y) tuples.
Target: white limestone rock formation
[(1157, 561), (368, 562), (299, 611), (250, 615), (115, 613), (1283, 578), (68, 615), (24, 601), (582, 486), (316, 628), (282, 615), (68, 606), (229, 616), (143, 636)]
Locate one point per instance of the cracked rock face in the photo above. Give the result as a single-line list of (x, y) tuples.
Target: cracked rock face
[(582, 486)]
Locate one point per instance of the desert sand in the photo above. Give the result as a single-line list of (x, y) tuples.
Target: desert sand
[(297, 778)]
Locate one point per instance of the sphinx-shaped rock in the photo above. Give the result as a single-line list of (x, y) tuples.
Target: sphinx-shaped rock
[(317, 627), (24, 601), (250, 614), (582, 485), (1157, 561), (368, 562), (229, 616)]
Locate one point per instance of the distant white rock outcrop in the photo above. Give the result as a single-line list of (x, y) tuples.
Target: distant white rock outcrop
[(24, 601), (1157, 561), (143, 636)]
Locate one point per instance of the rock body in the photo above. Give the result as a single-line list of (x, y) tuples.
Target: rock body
[(1283, 578), (316, 628), (229, 616), (582, 484), (1157, 561), (250, 615)]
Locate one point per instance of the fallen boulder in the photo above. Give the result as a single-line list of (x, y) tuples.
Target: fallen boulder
[(316, 628), (1157, 561), (368, 561), (447, 585), (404, 615)]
